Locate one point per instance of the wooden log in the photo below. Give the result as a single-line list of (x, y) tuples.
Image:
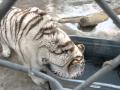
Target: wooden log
[(70, 19), (89, 20)]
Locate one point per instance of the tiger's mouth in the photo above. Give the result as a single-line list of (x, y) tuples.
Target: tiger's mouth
[(70, 72)]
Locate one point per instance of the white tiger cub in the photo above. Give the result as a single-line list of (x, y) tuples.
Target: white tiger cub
[(35, 36)]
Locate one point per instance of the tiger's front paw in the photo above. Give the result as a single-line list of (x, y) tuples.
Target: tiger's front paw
[(38, 81), (6, 53)]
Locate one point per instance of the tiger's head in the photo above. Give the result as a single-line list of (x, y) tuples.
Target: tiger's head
[(65, 59), (71, 65)]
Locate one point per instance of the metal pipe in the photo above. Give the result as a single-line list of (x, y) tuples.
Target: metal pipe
[(109, 11), (35, 72), (5, 6), (107, 67)]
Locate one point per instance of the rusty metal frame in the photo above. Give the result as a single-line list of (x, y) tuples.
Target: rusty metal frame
[(107, 67)]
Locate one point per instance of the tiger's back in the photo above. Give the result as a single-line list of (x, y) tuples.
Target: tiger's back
[(18, 23), (24, 27)]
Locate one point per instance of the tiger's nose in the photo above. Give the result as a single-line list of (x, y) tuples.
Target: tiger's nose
[(78, 61)]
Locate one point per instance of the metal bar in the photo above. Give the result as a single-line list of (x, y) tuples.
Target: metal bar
[(109, 11), (5, 6), (107, 67), (35, 72)]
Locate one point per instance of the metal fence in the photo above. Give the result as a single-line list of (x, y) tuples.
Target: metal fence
[(107, 66)]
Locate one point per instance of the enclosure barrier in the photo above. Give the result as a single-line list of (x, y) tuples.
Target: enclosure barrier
[(107, 67)]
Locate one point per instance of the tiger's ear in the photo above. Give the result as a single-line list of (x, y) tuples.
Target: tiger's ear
[(81, 47)]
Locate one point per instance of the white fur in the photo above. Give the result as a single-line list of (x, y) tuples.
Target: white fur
[(31, 50)]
